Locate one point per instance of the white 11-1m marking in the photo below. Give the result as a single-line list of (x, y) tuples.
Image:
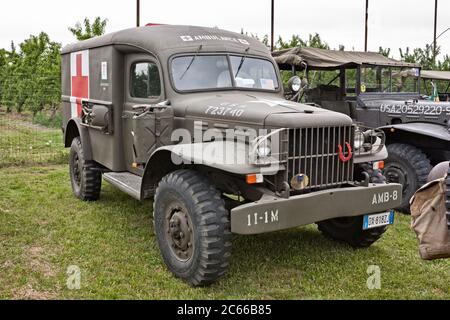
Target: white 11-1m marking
[(265, 218)]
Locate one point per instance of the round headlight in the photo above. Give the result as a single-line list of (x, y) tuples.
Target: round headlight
[(295, 83), (263, 151), (359, 140)]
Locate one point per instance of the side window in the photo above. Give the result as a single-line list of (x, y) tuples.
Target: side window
[(145, 81)]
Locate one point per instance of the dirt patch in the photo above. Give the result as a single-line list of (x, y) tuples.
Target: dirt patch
[(8, 264), (38, 262), (27, 292), (12, 120)]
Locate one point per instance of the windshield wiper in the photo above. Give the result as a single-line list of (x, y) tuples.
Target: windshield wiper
[(192, 61), (242, 62)]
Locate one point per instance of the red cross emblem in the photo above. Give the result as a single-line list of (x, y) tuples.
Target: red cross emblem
[(80, 80)]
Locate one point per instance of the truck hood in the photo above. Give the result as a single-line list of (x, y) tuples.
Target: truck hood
[(255, 109)]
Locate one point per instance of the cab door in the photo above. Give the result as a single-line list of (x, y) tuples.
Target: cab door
[(143, 87)]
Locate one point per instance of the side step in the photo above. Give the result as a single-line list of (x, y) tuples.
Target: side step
[(125, 181)]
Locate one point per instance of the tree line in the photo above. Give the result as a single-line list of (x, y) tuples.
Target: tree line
[(30, 73)]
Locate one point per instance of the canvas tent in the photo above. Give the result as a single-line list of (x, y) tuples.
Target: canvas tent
[(322, 59)]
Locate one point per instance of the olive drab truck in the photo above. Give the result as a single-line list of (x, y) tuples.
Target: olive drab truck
[(195, 119), (380, 92)]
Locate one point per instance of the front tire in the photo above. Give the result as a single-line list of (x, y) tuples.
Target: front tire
[(408, 166), (192, 227), (85, 177), (350, 230)]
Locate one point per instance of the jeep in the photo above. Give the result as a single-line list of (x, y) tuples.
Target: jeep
[(376, 92)]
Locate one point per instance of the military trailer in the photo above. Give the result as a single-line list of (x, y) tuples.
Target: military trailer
[(366, 87), (195, 119)]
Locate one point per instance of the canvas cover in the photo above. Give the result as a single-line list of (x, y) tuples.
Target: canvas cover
[(428, 214), (322, 59), (435, 75), (426, 74)]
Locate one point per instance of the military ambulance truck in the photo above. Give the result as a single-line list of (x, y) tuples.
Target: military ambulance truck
[(195, 119)]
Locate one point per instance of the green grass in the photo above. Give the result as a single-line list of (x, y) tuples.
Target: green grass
[(22, 142), (44, 230), (44, 119)]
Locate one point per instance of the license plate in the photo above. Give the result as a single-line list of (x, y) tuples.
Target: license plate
[(378, 220)]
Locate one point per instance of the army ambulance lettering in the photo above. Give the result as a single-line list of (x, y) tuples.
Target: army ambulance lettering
[(79, 71), (210, 37)]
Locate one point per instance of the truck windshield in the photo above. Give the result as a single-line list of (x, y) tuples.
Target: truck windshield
[(385, 79), (222, 72)]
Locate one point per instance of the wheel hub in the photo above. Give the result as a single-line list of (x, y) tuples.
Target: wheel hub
[(396, 174), (76, 169), (180, 233)]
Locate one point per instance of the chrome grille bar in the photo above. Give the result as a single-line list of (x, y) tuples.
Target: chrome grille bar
[(314, 152)]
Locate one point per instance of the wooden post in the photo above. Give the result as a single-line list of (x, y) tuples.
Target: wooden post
[(138, 13), (272, 26), (435, 30), (367, 28)]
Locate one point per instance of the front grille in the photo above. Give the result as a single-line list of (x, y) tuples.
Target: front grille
[(314, 152)]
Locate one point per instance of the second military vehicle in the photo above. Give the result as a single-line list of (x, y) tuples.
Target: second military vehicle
[(196, 119), (435, 84), (366, 87)]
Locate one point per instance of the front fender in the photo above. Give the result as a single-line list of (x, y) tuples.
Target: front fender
[(426, 129), (231, 157), (380, 155), (227, 156)]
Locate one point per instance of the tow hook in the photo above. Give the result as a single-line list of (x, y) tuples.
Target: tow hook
[(366, 181)]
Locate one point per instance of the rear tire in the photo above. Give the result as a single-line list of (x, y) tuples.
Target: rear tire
[(350, 230), (408, 166), (85, 177), (192, 227)]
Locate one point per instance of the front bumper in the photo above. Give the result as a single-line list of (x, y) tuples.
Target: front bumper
[(273, 213)]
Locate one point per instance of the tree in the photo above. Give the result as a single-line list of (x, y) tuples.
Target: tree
[(9, 92), (95, 29), (444, 64), (422, 56), (30, 78), (384, 51), (3, 66), (313, 41)]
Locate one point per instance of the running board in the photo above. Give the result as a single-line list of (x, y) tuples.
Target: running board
[(126, 182)]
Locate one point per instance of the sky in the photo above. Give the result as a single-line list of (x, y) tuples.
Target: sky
[(392, 23)]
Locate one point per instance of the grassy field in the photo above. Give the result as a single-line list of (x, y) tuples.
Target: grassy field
[(22, 142), (44, 230)]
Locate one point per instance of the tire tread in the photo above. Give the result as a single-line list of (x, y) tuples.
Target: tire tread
[(214, 225)]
